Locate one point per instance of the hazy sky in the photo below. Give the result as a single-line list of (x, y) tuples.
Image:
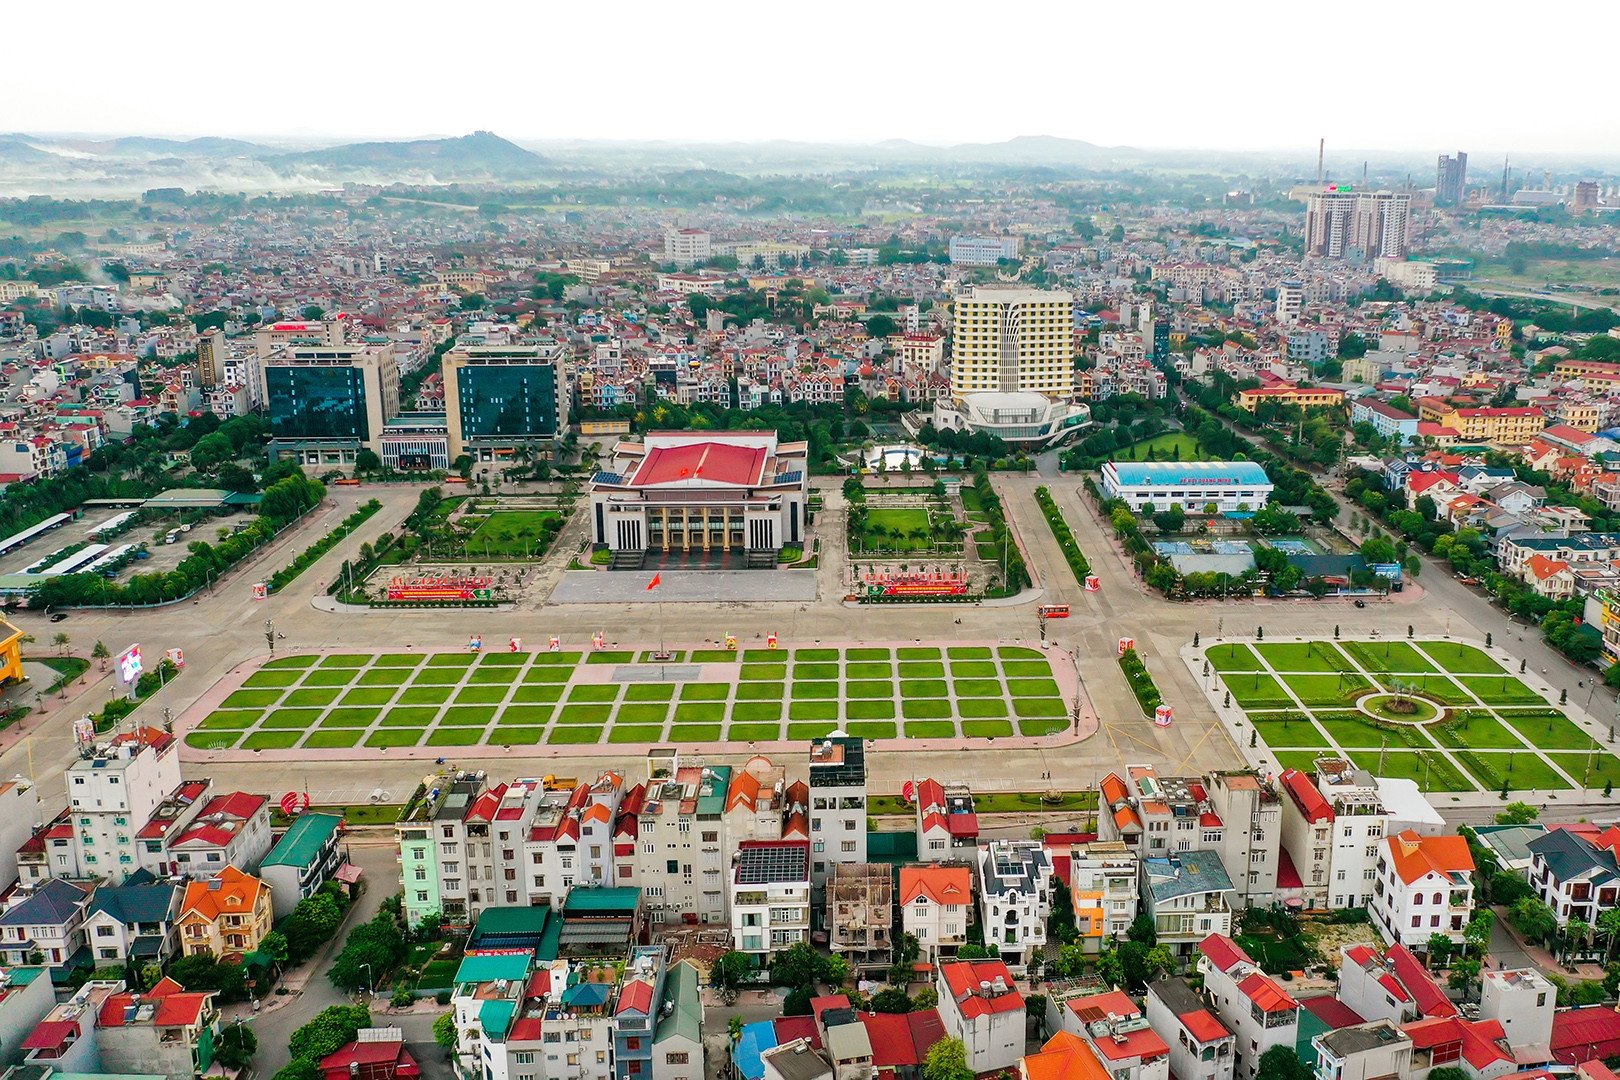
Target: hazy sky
[(1421, 75)]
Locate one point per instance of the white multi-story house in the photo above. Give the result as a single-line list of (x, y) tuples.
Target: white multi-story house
[(676, 832), (980, 1004), (111, 795), (1579, 878), (1015, 898), (1118, 1032), (48, 922), (1201, 1048), (1186, 897), (770, 897), (1104, 885), (1524, 1002), (936, 904), (1367, 1051), (1249, 1002), (837, 806), (1425, 886)]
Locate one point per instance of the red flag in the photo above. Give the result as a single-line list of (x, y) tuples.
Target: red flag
[(658, 579)]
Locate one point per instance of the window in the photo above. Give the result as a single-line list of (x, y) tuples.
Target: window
[(677, 1058), (524, 1057)]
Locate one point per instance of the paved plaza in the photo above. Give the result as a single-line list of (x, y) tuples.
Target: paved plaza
[(685, 587)]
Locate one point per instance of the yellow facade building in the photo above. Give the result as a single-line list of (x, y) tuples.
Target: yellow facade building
[(11, 669), (1012, 340)]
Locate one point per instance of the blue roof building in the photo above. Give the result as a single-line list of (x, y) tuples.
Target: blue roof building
[(1195, 486)]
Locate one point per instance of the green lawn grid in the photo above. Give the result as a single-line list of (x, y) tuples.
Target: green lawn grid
[(357, 701), (1298, 698)]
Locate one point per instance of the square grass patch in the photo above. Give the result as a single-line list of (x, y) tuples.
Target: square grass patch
[(801, 732), (811, 710), (1605, 768), (455, 737), (975, 669), (701, 733), (584, 714), (811, 656), (969, 652), (349, 718), (649, 692), (713, 656), (921, 669), (1039, 708), (452, 659), (612, 656), (764, 672), (1027, 669), (230, 720), (1032, 687), (1501, 691), (1233, 656), (1547, 730), (533, 694), (1529, 771), (1438, 687), (1018, 652), (517, 736), (408, 718), (1327, 689), (1476, 729), (330, 740), (329, 677), (348, 660), (310, 697), (1410, 765), (763, 656), (812, 672), (481, 695), (272, 740), (705, 692), (923, 688), (1304, 656), (212, 740), (1303, 760), (251, 699), (574, 736), (369, 695), (633, 733), (1460, 659), (384, 677), (803, 691), (871, 729), (398, 660), (493, 676), (560, 659), (765, 691), (749, 712), (919, 654), (977, 688), (980, 709), (425, 695), (868, 654), (646, 713), (751, 732), (925, 709), (394, 737), (1350, 733), (869, 710), (520, 715), (1034, 728), (930, 730), (986, 729), (271, 678), (869, 688), (303, 661), (700, 712), (1256, 690), (550, 673), (468, 716), (1391, 656), (1289, 729), (594, 692), (438, 677), (504, 659), (868, 671)]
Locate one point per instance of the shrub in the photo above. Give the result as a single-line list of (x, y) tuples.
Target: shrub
[(1142, 685)]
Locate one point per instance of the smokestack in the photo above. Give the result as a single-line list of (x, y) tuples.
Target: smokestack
[(1321, 149), (1364, 174)]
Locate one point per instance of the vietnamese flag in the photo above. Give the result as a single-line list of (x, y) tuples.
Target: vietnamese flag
[(657, 580)]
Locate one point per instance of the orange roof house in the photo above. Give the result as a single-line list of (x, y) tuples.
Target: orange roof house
[(227, 915)]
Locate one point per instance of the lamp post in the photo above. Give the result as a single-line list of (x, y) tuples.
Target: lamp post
[(370, 988)]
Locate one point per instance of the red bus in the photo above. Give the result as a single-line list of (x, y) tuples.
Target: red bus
[(1055, 611)]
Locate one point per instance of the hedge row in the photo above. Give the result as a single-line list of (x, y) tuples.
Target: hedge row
[(1142, 685), (308, 557), (1065, 536)]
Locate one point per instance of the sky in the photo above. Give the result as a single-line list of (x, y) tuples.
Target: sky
[(1415, 75)]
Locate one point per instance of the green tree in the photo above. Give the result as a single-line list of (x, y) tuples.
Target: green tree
[(891, 999), (301, 1069), (1440, 946), (332, 1028), (1060, 926), (1517, 813), (1534, 919), (947, 1060), (370, 952), (797, 1003), (1448, 1072), (731, 973), (1143, 930), (444, 1031), (797, 965), (1282, 1063), (236, 1047), (367, 461), (211, 450), (881, 326)]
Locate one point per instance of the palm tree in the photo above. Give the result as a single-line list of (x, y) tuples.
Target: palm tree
[(1576, 934), (61, 641), (100, 654), (1608, 925)]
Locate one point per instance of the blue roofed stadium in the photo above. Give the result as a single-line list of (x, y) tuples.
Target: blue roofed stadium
[(1184, 473), (1223, 487)]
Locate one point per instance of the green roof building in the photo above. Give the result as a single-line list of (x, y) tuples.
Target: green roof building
[(306, 857)]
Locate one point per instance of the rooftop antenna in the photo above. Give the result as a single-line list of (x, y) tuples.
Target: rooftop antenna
[(1321, 149)]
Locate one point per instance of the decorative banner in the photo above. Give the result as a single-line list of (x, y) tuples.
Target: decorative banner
[(599, 640), (261, 591), (731, 642), (294, 802), (84, 731), (475, 642), (556, 643), (177, 657), (441, 588), (514, 644), (1126, 644), (1093, 583), (1163, 715), (908, 791), (129, 664), (915, 583), (770, 640)]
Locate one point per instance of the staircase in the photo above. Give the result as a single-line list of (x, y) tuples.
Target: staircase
[(764, 559), (627, 560)]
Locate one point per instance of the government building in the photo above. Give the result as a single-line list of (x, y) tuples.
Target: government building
[(709, 494)]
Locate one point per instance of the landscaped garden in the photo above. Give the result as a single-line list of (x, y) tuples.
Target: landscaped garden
[(626, 697), (1441, 713)]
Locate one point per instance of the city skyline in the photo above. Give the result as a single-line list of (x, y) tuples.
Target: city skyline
[(849, 88)]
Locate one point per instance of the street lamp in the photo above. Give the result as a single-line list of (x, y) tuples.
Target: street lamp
[(370, 980)]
